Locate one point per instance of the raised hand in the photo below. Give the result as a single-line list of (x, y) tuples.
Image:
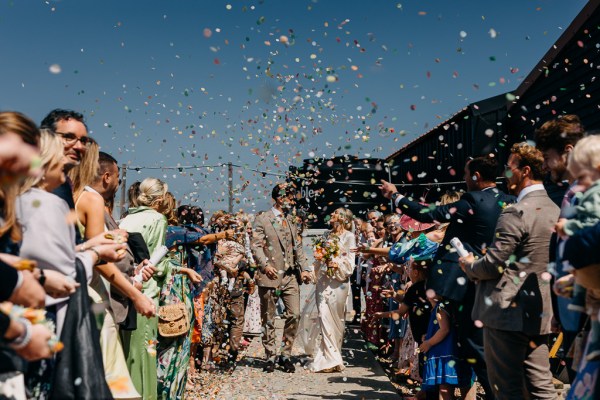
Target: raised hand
[(387, 189)]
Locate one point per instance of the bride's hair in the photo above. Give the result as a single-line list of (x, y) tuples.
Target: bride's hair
[(346, 217)]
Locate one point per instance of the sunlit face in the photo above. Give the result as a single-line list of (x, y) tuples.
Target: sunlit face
[(369, 232), (372, 217), (74, 149), (392, 226), (585, 176), (112, 180), (379, 229), (556, 164), (513, 175)]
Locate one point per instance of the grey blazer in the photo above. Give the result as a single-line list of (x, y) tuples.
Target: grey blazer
[(271, 245), (512, 293)]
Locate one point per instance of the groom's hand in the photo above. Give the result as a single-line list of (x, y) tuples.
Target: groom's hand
[(270, 272)]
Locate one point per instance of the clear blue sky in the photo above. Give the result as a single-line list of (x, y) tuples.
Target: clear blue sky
[(264, 83)]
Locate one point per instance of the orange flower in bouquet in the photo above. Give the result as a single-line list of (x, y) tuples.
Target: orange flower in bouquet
[(326, 248)]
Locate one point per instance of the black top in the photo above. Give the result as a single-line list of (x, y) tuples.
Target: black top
[(65, 192), (419, 310)]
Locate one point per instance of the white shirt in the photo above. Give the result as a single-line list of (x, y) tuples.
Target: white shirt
[(529, 189), (277, 213)]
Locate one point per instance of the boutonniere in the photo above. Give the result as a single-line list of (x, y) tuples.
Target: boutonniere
[(504, 205)]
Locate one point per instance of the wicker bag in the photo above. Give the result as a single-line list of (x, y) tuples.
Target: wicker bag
[(173, 320)]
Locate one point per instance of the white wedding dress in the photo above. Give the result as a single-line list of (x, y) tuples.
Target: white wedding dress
[(321, 333)]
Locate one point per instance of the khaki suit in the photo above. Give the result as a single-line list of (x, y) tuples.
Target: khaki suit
[(276, 243), (513, 299)]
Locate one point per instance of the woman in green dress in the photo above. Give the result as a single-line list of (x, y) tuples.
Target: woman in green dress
[(147, 218)]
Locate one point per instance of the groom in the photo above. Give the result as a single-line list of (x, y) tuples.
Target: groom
[(282, 264)]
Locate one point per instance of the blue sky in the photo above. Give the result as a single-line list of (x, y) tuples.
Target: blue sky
[(266, 83)]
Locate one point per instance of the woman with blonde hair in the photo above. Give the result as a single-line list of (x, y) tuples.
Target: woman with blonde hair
[(332, 275), (48, 239), (140, 345)]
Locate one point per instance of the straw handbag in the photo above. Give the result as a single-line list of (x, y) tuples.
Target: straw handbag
[(173, 319)]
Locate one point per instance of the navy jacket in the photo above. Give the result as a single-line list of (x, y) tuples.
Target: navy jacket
[(473, 220)]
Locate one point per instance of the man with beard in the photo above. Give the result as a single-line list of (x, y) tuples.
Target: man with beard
[(281, 266), (472, 219), (556, 139), (513, 287)]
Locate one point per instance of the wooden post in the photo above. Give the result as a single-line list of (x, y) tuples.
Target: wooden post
[(392, 205), (230, 185)]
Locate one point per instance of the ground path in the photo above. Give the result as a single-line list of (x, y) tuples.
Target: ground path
[(363, 378)]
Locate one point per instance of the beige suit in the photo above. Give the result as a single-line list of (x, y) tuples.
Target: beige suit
[(513, 299), (275, 243)]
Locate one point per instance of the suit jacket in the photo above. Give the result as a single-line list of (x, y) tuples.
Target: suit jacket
[(511, 292), (472, 219), (278, 246), (119, 303)]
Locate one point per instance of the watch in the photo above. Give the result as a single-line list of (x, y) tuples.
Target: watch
[(395, 196)]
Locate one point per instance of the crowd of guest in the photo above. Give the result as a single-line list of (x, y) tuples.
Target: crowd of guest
[(161, 295), (149, 298)]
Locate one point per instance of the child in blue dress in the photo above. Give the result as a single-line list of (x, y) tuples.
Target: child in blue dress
[(443, 370)]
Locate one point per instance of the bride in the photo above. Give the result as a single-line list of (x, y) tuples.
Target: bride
[(322, 335)]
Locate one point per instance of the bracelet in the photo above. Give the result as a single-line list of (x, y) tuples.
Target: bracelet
[(42, 278), (97, 253), (25, 338)]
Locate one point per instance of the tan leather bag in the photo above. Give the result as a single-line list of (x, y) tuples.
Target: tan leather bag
[(173, 320)]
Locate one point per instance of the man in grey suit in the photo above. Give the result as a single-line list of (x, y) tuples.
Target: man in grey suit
[(282, 264), (513, 286)]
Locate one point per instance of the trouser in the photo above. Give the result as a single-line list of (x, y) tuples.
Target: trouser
[(236, 320), (289, 292), (356, 292), (471, 345), (518, 365)]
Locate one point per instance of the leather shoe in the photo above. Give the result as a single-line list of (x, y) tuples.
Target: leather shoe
[(287, 365), (269, 366)]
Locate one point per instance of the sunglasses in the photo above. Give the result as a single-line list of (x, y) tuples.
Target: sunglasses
[(71, 138)]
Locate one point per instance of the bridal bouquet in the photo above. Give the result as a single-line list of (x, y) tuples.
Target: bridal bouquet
[(327, 247), (35, 316)]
